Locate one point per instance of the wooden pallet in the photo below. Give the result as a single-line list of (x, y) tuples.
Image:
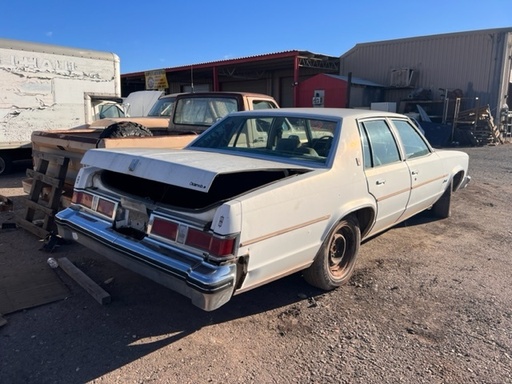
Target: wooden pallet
[(481, 123), (43, 200)]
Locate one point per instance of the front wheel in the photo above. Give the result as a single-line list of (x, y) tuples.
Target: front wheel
[(334, 264), (442, 207)]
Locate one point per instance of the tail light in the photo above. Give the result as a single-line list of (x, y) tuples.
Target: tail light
[(106, 207), (163, 228), (95, 203), (82, 198), (216, 246)]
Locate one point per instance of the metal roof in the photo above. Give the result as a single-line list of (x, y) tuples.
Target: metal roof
[(427, 37), (306, 58)]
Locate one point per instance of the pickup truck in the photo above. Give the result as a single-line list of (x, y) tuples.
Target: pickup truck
[(174, 121)]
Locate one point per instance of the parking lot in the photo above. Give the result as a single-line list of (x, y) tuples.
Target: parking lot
[(430, 301)]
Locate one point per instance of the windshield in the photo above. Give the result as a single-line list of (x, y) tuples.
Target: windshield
[(273, 136), (162, 107), (110, 110)]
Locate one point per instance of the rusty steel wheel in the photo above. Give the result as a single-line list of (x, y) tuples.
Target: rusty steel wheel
[(334, 264)]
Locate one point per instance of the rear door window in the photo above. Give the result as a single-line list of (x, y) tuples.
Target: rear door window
[(413, 143), (378, 143)]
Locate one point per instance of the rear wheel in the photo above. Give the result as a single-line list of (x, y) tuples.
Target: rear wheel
[(334, 264), (125, 129), (442, 207)]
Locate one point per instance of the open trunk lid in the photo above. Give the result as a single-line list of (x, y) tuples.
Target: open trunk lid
[(189, 169)]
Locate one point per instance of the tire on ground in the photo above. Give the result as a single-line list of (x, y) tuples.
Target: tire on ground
[(334, 263), (442, 207), (125, 129)]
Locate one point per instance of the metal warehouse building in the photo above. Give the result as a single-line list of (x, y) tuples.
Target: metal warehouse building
[(474, 66), (427, 71)]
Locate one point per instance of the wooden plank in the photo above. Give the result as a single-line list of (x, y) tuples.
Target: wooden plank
[(26, 284), (38, 207), (53, 181), (100, 295), (49, 157), (31, 227)]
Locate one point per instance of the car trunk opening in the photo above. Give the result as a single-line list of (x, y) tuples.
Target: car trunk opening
[(224, 187)]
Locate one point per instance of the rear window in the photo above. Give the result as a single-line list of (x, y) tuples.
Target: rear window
[(162, 107), (203, 111), (293, 137), (262, 104)]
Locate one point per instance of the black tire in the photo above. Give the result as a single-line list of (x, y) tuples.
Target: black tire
[(334, 264), (125, 129), (442, 207), (5, 164)]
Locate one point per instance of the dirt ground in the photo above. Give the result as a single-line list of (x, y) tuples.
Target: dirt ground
[(430, 302)]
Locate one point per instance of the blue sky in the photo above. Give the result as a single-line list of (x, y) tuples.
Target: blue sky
[(158, 34)]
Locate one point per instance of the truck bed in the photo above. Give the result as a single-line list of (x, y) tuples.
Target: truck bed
[(192, 113), (74, 143)]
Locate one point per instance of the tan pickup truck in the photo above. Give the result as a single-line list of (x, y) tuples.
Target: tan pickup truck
[(174, 121)]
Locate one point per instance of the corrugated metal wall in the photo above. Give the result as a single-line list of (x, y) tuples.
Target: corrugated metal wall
[(470, 61)]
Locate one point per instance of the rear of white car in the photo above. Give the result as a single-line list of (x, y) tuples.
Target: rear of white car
[(179, 252), (193, 249)]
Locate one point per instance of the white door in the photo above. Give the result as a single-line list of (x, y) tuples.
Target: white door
[(428, 181), (388, 176)]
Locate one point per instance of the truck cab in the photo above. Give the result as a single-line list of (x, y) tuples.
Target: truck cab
[(195, 112)]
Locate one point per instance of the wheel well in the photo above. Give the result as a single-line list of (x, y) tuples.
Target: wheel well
[(457, 179), (365, 217)]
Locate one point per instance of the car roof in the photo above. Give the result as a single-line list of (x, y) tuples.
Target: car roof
[(319, 112), (219, 93), (226, 93)]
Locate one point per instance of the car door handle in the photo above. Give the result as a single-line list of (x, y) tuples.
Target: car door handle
[(414, 172), (380, 182)]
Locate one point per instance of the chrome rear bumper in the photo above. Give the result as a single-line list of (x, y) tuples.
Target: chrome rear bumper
[(209, 286)]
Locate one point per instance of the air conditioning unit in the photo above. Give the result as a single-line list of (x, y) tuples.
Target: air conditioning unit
[(403, 77)]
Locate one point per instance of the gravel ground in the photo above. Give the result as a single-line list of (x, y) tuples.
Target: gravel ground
[(430, 302)]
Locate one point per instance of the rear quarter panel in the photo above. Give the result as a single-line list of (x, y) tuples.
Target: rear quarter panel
[(454, 162), (284, 224)]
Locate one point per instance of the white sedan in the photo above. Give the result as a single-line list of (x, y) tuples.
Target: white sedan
[(258, 196)]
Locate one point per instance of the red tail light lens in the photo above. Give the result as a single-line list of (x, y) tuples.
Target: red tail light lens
[(198, 239), (82, 198), (95, 203), (222, 247), (106, 207), (164, 228), (215, 246), (180, 234)]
